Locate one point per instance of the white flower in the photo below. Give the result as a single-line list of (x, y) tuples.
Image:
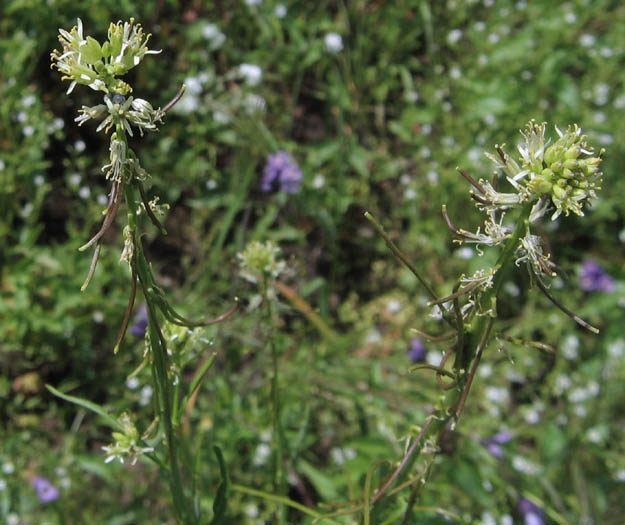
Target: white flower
[(280, 11), (115, 170), (333, 42), (453, 36), (251, 73), (213, 34)]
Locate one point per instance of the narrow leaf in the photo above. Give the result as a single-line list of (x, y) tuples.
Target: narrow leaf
[(109, 420)]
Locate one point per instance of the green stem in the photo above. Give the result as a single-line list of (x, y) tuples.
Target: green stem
[(160, 359), (279, 474)]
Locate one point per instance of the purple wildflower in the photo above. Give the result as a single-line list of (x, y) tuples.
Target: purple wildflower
[(417, 351), (141, 322), (594, 278), (46, 492), (283, 172), (493, 444), (532, 515)]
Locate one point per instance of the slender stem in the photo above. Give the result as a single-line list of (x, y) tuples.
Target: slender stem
[(279, 474), (160, 358)]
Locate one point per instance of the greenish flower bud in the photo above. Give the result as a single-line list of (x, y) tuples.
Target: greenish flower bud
[(570, 164), (573, 152)]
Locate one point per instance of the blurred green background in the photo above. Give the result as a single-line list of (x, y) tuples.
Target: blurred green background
[(377, 115)]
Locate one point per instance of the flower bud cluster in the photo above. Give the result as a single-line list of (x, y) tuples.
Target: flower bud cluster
[(126, 443), (260, 261), (86, 61), (567, 171)]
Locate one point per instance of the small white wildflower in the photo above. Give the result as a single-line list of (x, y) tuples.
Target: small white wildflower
[(454, 36), (410, 194), (39, 180), (594, 435), (562, 383), (318, 181), (84, 192), (251, 510), (221, 117), (525, 466), (28, 130), (13, 519), (333, 42), (506, 519), (570, 347), (253, 3), (497, 395), (3, 485), (337, 456), (488, 518), (80, 146), (251, 73), (479, 26), (617, 348), (587, 40), (98, 317), (280, 11), (263, 451), (433, 177), (28, 100), (193, 85), (464, 253), (132, 383), (211, 184), (373, 337), (485, 370), (213, 34), (620, 475), (493, 38), (434, 357), (8, 468), (393, 306)]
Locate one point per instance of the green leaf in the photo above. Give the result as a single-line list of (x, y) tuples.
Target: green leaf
[(221, 501), (109, 420)]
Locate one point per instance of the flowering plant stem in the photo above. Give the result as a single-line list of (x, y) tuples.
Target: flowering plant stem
[(472, 338), (279, 473), (158, 349)]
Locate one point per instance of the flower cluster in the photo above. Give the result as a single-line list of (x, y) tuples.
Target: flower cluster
[(260, 261), (594, 278), (126, 443), (564, 175), (282, 171), (567, 172), (46, 492), (86, 61)]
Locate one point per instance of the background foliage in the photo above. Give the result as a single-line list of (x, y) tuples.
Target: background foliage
[(418, 88)]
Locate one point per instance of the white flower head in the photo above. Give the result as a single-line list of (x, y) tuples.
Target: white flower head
[(251, 73), (333, 42)]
